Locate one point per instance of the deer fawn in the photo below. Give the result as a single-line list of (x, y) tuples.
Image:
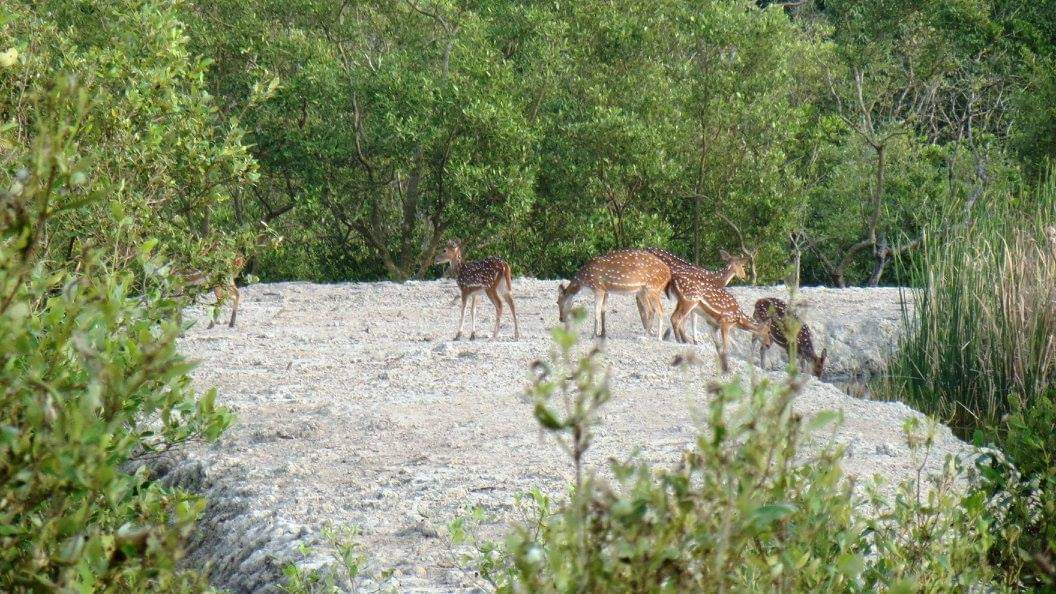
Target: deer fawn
[(620, 271), (490, 276), (735, 268), (720, 309), (222, 290), (775, 312)]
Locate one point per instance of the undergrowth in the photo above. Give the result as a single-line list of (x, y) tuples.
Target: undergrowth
[(749, 508)]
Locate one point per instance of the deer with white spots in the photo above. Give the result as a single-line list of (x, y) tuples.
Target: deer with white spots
[(490, 276), (222, 289), (621, 271), (774, 312), (735, 268), (718, 307)]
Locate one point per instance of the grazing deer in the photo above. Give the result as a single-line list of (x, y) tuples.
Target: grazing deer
[(720, 309), (735, 268), (620, 271), (775, 312), (490, 276), (223, 289)]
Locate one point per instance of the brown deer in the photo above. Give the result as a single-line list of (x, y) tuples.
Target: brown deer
[(720, 309), (223, 290), (619, 271), (774, 312), (490, 276), (735, 268)]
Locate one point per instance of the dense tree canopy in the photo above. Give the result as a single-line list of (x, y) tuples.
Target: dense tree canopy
[(830, 133)]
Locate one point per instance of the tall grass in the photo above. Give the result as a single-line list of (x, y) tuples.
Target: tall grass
[(981, 334)]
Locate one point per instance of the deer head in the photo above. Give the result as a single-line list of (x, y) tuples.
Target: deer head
[(819, 362), (564, 302), (452, 253), (762, 330), (735, 265)]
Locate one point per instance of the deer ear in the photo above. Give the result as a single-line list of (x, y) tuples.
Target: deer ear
[(562, 287), (725, 255)]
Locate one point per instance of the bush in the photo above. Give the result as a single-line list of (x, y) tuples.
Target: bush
[(978, 352), (90, 384), (1021, 483), (983, 320), (745, 510)]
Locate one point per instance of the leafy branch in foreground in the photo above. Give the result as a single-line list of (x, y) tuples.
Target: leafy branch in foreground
[(758, 503), (344, 574), (90, 378)]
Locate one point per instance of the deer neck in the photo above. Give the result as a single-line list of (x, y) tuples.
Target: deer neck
[(456, 266), (806, 345), (726, 275)]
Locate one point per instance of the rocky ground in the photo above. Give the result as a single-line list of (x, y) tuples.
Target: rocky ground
[(355, 407)]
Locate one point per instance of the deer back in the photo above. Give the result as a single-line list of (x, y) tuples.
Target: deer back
[(481, 273), (624, 270)]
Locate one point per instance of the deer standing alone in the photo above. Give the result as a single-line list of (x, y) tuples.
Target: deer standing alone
[(619, 271), (774, 312), (490, 276), (718, 307), (222, 290), (735, 268)]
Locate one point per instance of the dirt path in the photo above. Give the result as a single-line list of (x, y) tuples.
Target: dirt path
[(355, 407)]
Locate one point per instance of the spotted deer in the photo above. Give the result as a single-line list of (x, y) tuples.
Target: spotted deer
[(774, 312), (718, 307), (735, 268), (222, 290), (490, 276), (620, 271)]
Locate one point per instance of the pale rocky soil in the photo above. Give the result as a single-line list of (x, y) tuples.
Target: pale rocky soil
[(355, 407)]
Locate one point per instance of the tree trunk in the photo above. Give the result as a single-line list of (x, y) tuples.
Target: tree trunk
[(696, 229)]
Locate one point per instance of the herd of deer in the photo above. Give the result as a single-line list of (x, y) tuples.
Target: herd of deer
[(648, 274)]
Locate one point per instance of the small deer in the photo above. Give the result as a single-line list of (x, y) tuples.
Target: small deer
[(735, 268), (223, 289), (774, 312), (490, 276), (718, 307), (619, 271)]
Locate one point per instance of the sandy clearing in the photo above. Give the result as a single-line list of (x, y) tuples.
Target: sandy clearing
[(355, 407)]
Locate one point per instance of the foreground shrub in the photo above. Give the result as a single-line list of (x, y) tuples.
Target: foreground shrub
[(746, 509), (90, 383), (1021, 483), (978, 352)]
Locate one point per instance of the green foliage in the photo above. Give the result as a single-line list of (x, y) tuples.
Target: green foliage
[(981, 325), (1021, 481), (345, 574), (977, 353), (92, 384), (747, 509), (156, 156)]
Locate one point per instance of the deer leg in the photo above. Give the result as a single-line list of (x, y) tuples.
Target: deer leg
[(678, 317), (234, 305), (645, 312), (599, 312), (713, 329), (473, 317), (513, 312), (461, 318), (658, 306), (494, 297), (724, 330)]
